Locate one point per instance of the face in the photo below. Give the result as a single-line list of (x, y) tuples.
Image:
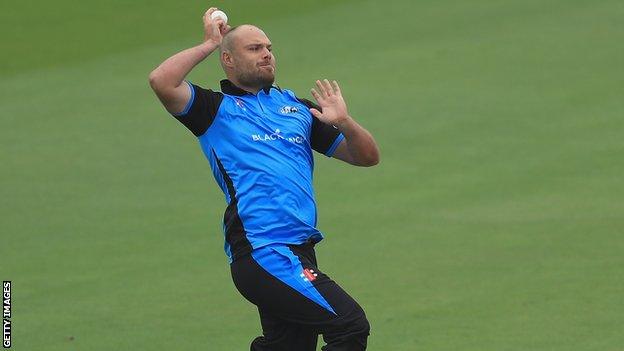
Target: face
[(252, 58)]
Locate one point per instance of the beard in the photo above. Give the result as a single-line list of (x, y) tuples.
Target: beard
[(256, 77)]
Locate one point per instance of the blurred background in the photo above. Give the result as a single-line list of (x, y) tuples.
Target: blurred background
[(493, 222)]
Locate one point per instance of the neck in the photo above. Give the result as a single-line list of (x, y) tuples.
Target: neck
[(253, 90)]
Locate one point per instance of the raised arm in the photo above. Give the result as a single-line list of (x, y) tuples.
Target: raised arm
[(358, 147), (167, 80)]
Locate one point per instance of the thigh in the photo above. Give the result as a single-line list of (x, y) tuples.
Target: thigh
[(285, 283), (279, 335)]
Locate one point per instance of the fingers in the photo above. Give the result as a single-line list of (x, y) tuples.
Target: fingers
[(316, 113), (324, 90), (220, 23), (327, 89), (209, 20), (223, 28), (315, 94), (318, 97), (209, 12), (214, 29), (336, 87), (321, 88)]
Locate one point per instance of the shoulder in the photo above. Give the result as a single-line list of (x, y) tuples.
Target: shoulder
[(290, 95), (200, 109)]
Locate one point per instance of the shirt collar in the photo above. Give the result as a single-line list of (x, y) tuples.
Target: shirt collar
[(229, 88)]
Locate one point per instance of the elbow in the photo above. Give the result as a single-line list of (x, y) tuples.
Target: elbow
[(375, 161), (158, 80), (373, 156), (370, 160), (370, 156), (154, 79)]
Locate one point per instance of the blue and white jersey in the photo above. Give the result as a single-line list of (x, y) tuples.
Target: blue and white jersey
[(260, 150)]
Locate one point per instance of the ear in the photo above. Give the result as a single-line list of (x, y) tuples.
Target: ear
[(226, 58)]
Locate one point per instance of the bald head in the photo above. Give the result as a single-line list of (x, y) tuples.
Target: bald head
[(233, 36)]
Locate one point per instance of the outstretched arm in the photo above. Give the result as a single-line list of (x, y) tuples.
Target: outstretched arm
[(358, 147), (168, 78)]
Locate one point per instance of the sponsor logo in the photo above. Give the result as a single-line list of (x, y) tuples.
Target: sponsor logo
[(308, 275), (277, 135)]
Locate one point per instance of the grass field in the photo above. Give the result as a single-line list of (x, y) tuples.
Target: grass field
[(495, 220)]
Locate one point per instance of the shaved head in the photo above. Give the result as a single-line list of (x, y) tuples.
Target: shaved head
[(234, 34), (228, 39)]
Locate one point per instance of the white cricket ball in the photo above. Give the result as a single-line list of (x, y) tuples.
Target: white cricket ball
[(219, 14)]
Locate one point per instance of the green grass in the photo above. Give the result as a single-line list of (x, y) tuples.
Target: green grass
[(494, 221)]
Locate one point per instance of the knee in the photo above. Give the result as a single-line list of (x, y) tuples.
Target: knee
[(360, 326), (353, 329), (352, 335)]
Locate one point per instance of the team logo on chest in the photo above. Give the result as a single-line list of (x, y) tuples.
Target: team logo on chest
[(288, 109)]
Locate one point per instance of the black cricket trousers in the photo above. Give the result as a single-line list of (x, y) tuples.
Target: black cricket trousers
[(297, 301)]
